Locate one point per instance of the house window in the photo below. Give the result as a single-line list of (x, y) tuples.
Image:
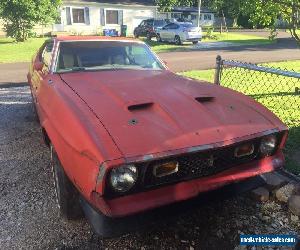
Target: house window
[(78, 15), (175, 15), (207, 17), (112, 17)]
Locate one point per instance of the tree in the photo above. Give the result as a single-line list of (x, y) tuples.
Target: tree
[(20, 16), (267, 12), (47, 11), (166, 5), (230, 8)]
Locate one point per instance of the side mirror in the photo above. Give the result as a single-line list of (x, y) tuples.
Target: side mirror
[(38, 66)]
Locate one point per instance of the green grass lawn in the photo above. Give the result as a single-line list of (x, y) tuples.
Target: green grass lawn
[(11, 51), (230, 37), (282, 99)]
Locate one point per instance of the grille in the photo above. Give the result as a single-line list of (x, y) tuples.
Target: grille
[(195, 165), (191, 166)]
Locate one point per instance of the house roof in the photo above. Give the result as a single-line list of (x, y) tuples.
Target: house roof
[(125, 2), (191, 9)]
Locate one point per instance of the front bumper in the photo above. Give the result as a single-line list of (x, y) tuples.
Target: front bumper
[(112, 227), (138, 202), (191, 38)]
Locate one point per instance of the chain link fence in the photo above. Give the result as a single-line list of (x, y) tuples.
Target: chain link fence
[(276, 88)]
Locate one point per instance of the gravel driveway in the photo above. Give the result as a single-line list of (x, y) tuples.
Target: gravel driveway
[(29, 218)]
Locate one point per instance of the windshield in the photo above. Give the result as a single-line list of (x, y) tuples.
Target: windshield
[(159, 23), (105, 55)]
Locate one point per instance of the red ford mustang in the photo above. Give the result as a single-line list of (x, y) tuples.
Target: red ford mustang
[(126, 135)]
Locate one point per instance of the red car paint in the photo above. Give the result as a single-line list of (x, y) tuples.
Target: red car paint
[(88, 118)]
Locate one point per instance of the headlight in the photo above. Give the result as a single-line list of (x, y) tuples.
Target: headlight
[(123, 178), (268, 145)]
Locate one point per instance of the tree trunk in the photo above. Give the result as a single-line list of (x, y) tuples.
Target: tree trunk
[(235, 22), (294, 25)]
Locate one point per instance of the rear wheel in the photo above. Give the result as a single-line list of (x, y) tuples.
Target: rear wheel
[(158, 38), (67, 196), (195, 42), (177, 40)]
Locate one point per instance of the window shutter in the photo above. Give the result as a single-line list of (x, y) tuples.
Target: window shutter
[(87, 15), (120, 17), (102, 17), (68, 12)]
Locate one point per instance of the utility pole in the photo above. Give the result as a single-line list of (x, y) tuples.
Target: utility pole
[(199, 12)]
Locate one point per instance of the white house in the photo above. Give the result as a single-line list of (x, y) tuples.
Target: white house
[(207, 17), (92, 16)]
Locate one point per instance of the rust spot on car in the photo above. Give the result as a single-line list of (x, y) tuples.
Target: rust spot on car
[(102, 170)]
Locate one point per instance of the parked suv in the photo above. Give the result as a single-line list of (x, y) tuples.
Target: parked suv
[(150, 27)]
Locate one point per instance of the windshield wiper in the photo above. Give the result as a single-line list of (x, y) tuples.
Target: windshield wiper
[(78, 69), (75, 69)]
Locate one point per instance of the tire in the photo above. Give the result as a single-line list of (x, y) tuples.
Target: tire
[(67, 197), (177, 40), (158, 38), (195, 42), (149, 36)]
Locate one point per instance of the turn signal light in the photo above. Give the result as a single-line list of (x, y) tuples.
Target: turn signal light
[(244, 150), (165, 169)]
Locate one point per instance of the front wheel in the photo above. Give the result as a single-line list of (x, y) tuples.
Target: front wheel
[(177, 40), (195, 42), (149, 37), (67, 196)]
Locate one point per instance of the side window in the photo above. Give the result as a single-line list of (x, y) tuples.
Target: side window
[(138, 55), (168, 26), (47, 53), (173, 26), (149, 22), (142, 24), (207, 17)]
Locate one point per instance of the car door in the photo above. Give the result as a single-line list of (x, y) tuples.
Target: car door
[(173, 31), (148, 27), (164, 32), (41, 68)]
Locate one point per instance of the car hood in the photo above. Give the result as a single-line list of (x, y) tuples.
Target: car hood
[(147, 111)]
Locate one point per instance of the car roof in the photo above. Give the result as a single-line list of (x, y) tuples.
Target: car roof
[(95, 38)]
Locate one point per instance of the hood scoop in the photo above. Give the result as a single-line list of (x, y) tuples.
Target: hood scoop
[(140, 106), (203, 99)]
